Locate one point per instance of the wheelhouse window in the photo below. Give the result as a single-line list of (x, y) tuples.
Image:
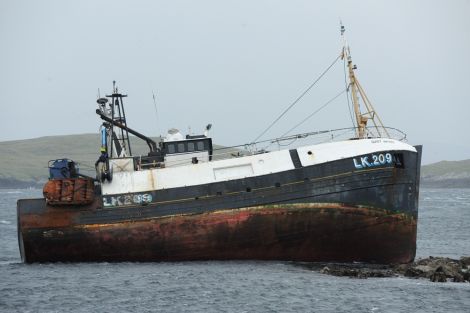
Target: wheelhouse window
[(187, 146), (200, 146), (191, 146)]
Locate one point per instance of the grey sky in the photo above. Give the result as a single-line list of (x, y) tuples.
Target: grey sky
[(236, 64)]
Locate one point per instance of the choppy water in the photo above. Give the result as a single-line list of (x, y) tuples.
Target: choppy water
[(443, 230)]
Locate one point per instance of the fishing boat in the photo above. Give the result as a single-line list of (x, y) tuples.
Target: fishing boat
[(349, 195)]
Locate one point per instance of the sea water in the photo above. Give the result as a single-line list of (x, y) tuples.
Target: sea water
[(248, 286)]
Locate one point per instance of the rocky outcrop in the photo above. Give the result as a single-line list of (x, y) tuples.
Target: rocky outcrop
[(357, 270), (436, 269)]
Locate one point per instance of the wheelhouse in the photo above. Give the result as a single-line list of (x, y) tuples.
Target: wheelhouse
[(178, 150), (192, 145)]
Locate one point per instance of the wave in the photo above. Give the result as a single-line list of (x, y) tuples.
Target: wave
[(9, 192), (11, 262), (5, 222)]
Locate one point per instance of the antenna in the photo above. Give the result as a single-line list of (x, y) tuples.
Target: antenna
[(156, 112), (342, 27)]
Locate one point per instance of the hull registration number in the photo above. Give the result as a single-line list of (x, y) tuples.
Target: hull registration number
[(373, 160)]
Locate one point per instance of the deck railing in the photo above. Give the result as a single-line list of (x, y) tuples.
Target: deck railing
[(290, 142)]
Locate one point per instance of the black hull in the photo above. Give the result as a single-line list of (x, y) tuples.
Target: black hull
[(365, 215)]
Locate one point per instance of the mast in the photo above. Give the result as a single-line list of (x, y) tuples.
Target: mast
[(356, 90), (117, 137), (115, 132)]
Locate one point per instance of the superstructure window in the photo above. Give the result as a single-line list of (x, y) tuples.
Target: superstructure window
[(187, 146), (200, 146), (191, 146)]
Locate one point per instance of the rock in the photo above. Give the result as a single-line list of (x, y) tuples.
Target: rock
[(356, 270), (458, 278), (439, 275), (362, 275), (426, 270), (436, 269), (423, 271), (465, 274), (401, 268), (465, 261)]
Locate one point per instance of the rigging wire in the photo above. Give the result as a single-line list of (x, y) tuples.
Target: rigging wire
[(309, 116), (304, 135), (315, 112), (298, 98)]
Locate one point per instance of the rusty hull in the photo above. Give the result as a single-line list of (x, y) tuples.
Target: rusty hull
[(69, 191), (290, 232)]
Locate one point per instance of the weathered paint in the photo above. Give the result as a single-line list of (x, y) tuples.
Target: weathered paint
[(261, 164), (69, 191), (325, 212), (298, 232)]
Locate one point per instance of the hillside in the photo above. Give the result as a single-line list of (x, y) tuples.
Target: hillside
[(446, 174), (23, 163)]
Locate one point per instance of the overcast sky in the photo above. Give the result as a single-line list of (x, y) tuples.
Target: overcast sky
[(235, 64)]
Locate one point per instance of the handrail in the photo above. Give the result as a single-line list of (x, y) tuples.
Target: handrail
[(317, 137)]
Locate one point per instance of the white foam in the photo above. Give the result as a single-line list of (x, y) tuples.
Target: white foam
[(8, 192)]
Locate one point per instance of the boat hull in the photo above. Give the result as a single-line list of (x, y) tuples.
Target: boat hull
[(297, 232), (327, 212)]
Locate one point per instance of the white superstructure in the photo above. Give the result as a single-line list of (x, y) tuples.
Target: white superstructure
[(130, 180)]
